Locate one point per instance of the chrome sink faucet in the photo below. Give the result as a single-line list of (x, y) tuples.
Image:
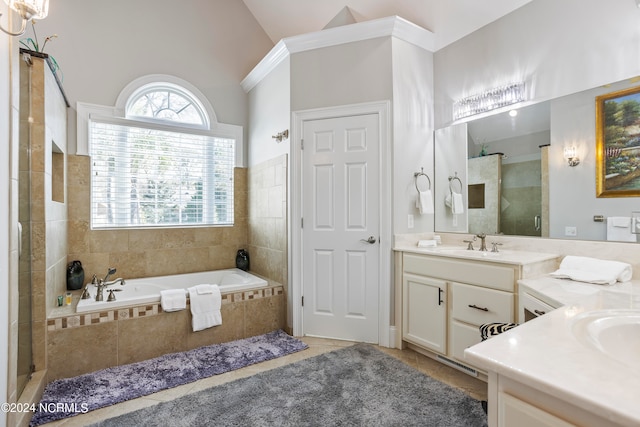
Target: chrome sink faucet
[(483, 244)]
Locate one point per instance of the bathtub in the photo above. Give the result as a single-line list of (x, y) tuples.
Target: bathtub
[(147, 290)]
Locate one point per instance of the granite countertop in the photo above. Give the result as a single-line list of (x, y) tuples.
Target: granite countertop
[(547, 354), (504, 256)]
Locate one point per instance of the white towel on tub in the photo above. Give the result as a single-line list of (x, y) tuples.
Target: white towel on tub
[(173, 299), (205, 303)]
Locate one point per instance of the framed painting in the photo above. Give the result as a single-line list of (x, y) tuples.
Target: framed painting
[(618, 144)]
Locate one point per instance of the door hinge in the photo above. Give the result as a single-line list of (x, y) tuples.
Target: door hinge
[(303, 301), (301, 222), (302, 144)]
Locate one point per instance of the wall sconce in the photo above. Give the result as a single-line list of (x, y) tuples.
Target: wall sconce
[(281, 135), (489, 100), (571, 156), (28, 10)]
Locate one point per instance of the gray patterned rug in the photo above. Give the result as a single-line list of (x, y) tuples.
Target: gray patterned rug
[(354, 386), (70, 396)]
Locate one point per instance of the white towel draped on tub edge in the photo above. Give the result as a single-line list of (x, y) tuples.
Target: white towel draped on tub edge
[(173, 300), (205, 303)]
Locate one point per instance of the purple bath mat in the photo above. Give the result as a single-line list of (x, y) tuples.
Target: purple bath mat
[(72, 396)]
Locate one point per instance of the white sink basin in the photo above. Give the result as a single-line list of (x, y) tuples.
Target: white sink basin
[(616, 333), (467, 253)]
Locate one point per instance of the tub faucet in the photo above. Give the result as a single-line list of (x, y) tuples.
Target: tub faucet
[(483, 244), (102, 283)]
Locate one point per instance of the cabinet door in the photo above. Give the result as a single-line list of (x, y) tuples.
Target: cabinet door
[(515, 412), (424, 309)]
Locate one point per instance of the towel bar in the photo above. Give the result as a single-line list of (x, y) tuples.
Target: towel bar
[(416, 175)]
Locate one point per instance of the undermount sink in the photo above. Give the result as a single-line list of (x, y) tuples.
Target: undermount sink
[(468, 253), (615, 333)]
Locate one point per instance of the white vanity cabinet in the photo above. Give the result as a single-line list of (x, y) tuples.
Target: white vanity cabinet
[(445, 299), (425, 312)]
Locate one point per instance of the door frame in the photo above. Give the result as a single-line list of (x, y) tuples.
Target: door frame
[(298, 119)]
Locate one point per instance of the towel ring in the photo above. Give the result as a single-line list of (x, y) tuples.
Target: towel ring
[(455, 178), (417, 175)]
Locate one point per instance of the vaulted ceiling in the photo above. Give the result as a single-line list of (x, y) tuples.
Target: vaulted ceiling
[(449, 20)]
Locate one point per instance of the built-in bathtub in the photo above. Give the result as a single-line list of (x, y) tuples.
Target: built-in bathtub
[(147, 290)]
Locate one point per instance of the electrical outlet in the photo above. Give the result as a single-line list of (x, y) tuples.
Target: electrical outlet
[(570, 231), (410, 221)]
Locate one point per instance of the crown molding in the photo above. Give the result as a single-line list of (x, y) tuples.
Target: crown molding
[(393, 26)]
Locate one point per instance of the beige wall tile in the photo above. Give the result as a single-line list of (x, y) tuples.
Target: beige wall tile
[(67, 355), (264, 315), (232, 328), (147, 337)]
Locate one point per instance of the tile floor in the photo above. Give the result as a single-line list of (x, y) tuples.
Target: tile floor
[(474, 387)]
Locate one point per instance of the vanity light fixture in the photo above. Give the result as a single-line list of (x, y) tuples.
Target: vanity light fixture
[(28, 10), (571, 155), (489, 100)]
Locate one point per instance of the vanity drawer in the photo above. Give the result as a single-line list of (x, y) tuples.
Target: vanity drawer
[(476, 273), (478, 305), (462, 336)]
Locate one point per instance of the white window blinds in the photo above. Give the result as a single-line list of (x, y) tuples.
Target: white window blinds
[(149, 175)]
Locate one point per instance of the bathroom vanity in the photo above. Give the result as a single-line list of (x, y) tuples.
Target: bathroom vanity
[(576, 365), (445, 293)]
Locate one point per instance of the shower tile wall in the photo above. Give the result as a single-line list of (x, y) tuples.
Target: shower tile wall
[(268, 219)]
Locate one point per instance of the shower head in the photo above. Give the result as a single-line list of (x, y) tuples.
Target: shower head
[(111, 271)]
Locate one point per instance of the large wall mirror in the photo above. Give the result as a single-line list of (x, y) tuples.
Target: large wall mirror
[(516, 179)]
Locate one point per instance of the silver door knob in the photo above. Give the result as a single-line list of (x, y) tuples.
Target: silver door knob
[(371, 240)]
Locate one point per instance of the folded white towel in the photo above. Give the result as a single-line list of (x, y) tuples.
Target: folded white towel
[(424, 202), (619, 229), (173, 299), (204, 289), (205, 307), (593, 270)]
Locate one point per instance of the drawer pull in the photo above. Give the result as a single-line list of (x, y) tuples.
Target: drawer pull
[(478, 308), (539, 312), (440, 296)]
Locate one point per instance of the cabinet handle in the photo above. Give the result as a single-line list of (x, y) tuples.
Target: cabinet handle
[(440, 301), (478, 308), (539, 312)]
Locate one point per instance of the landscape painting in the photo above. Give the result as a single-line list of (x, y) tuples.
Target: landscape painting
[(618, 144)]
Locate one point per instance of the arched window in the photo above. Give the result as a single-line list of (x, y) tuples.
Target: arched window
[(160, 165), (167, 102)]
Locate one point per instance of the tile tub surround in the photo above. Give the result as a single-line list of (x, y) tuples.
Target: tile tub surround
[(81, 343), (545, 355), (150, 252)]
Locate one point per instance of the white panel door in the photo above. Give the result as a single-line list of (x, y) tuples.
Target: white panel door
[(341, 215)]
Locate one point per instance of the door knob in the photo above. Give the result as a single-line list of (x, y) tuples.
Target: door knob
[(371, 240)]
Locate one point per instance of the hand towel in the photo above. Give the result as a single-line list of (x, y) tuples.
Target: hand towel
[(205, 303), (619, 229), (592, 270), (173, 299), (454, 202), (424, 203), (457, 206)]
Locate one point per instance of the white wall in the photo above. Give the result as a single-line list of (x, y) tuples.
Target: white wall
[(350, 73), (269, 114), (557, 47), (412, 132), (103, 46)]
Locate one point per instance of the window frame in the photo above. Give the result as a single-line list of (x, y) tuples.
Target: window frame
[(116, 115)]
